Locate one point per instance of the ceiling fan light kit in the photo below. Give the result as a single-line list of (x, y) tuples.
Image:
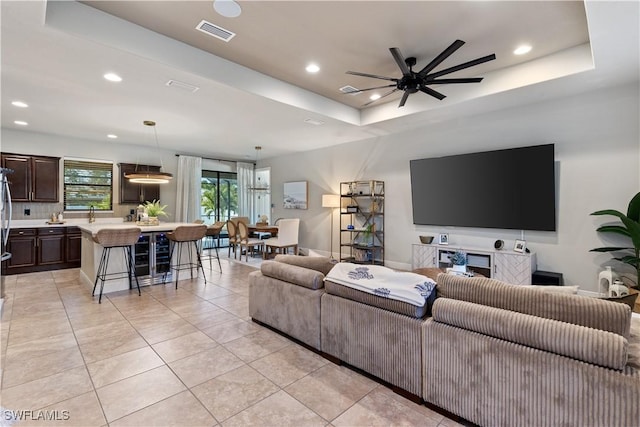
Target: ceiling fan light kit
[(412, 82)]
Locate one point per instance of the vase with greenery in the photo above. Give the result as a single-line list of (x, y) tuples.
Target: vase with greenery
[(154, 209), (629, 227), (459, 260)]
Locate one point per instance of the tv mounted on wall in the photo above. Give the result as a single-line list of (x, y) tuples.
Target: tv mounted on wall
[(508, 189)]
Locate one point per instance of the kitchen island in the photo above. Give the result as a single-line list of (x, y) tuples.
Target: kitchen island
[(151, 255)]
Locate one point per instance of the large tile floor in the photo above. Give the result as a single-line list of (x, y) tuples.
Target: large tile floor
[(185, 357)]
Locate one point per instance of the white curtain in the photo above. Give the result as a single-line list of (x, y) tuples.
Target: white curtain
[(245, 197), (188, 192)]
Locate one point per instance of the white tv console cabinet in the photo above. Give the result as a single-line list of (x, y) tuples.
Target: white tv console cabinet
[(504, 265)]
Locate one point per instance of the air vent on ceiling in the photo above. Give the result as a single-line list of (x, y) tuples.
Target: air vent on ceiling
[(349, 90), (182, 85), (215, 31)]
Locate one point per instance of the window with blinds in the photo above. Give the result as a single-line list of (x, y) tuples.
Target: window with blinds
[(88, 183)]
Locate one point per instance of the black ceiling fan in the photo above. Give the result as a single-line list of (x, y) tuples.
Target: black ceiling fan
[(412, 82)]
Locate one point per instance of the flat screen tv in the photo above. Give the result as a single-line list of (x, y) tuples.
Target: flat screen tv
[(509, 189)]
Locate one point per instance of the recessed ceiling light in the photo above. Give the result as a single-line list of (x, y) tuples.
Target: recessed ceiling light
[(112, 77), (19, 104), (521, 50), (374, 96), (112, 136), (20, 122), (312, 68), (227, 8)]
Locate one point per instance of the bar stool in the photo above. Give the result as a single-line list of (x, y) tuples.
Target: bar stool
[(185, 234), (212, 239), (110, 238)]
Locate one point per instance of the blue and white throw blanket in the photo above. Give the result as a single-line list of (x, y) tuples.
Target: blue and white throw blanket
[(407, 287)]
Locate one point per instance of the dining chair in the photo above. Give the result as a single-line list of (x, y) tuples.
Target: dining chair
[(287, 237), (232, 230), (245, 241)]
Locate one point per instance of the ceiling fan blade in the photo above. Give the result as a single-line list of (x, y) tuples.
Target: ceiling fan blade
[(370, 88), (356, 73), (449, 81), (463, 66), (432, 92), (438, 59), (386, 94), (405, 96), (400, 61)]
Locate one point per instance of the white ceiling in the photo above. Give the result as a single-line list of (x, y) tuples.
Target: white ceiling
[(254, 90)]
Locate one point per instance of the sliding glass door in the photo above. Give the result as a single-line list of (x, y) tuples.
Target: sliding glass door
[(219, 196)]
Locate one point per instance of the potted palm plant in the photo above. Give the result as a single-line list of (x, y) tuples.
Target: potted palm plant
[(154, 209), (629, 227)]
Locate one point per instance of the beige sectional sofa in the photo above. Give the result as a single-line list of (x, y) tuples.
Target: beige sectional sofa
[(492, 353)]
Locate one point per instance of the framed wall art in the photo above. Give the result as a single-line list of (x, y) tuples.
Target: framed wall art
[(295, 195)]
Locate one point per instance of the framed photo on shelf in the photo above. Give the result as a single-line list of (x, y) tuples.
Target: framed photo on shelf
[(519, 246), (295, 195), (443, 239)]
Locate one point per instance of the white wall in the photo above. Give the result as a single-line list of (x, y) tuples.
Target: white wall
[(597, 161)]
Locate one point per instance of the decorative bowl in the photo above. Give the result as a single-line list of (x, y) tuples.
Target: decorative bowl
[(426, 239)]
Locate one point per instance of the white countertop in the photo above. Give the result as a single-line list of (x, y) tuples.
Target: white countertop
[(99, 224), (71, 222), (163, 226)]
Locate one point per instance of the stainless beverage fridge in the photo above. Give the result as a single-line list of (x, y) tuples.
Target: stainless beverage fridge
[(5, 223)]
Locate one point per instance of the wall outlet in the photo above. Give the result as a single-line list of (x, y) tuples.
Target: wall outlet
[(27, 211)]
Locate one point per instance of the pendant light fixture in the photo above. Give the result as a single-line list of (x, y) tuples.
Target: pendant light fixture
[(257, 184), (149, 177)]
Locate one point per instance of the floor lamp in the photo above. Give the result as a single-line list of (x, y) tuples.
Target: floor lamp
[(331, 201)]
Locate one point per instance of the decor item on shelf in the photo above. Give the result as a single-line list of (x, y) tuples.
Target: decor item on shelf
[(605, 279), (498, 244), (629, 228), (426, 239), (295, 195), (331, 201), (459, 261), (148, 177), (443, 239), (618, 289), (519, 246), (412, 81)]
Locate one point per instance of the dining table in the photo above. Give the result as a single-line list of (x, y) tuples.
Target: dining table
[(261, 228)]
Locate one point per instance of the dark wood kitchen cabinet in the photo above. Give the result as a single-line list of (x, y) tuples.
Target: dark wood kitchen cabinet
[(51, 245), (35, 178), (22, 246), (133, 193), (73, 245), (42, 249)]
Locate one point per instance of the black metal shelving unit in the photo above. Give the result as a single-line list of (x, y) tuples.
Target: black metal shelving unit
[(362, 222)]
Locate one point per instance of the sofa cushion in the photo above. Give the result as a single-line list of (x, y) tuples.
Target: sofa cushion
[(321, 263), (378, 301), (576, 309), (294, 274), (577, 342)]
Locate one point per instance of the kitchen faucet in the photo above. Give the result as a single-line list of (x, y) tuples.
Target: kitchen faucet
[(92, 214)]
